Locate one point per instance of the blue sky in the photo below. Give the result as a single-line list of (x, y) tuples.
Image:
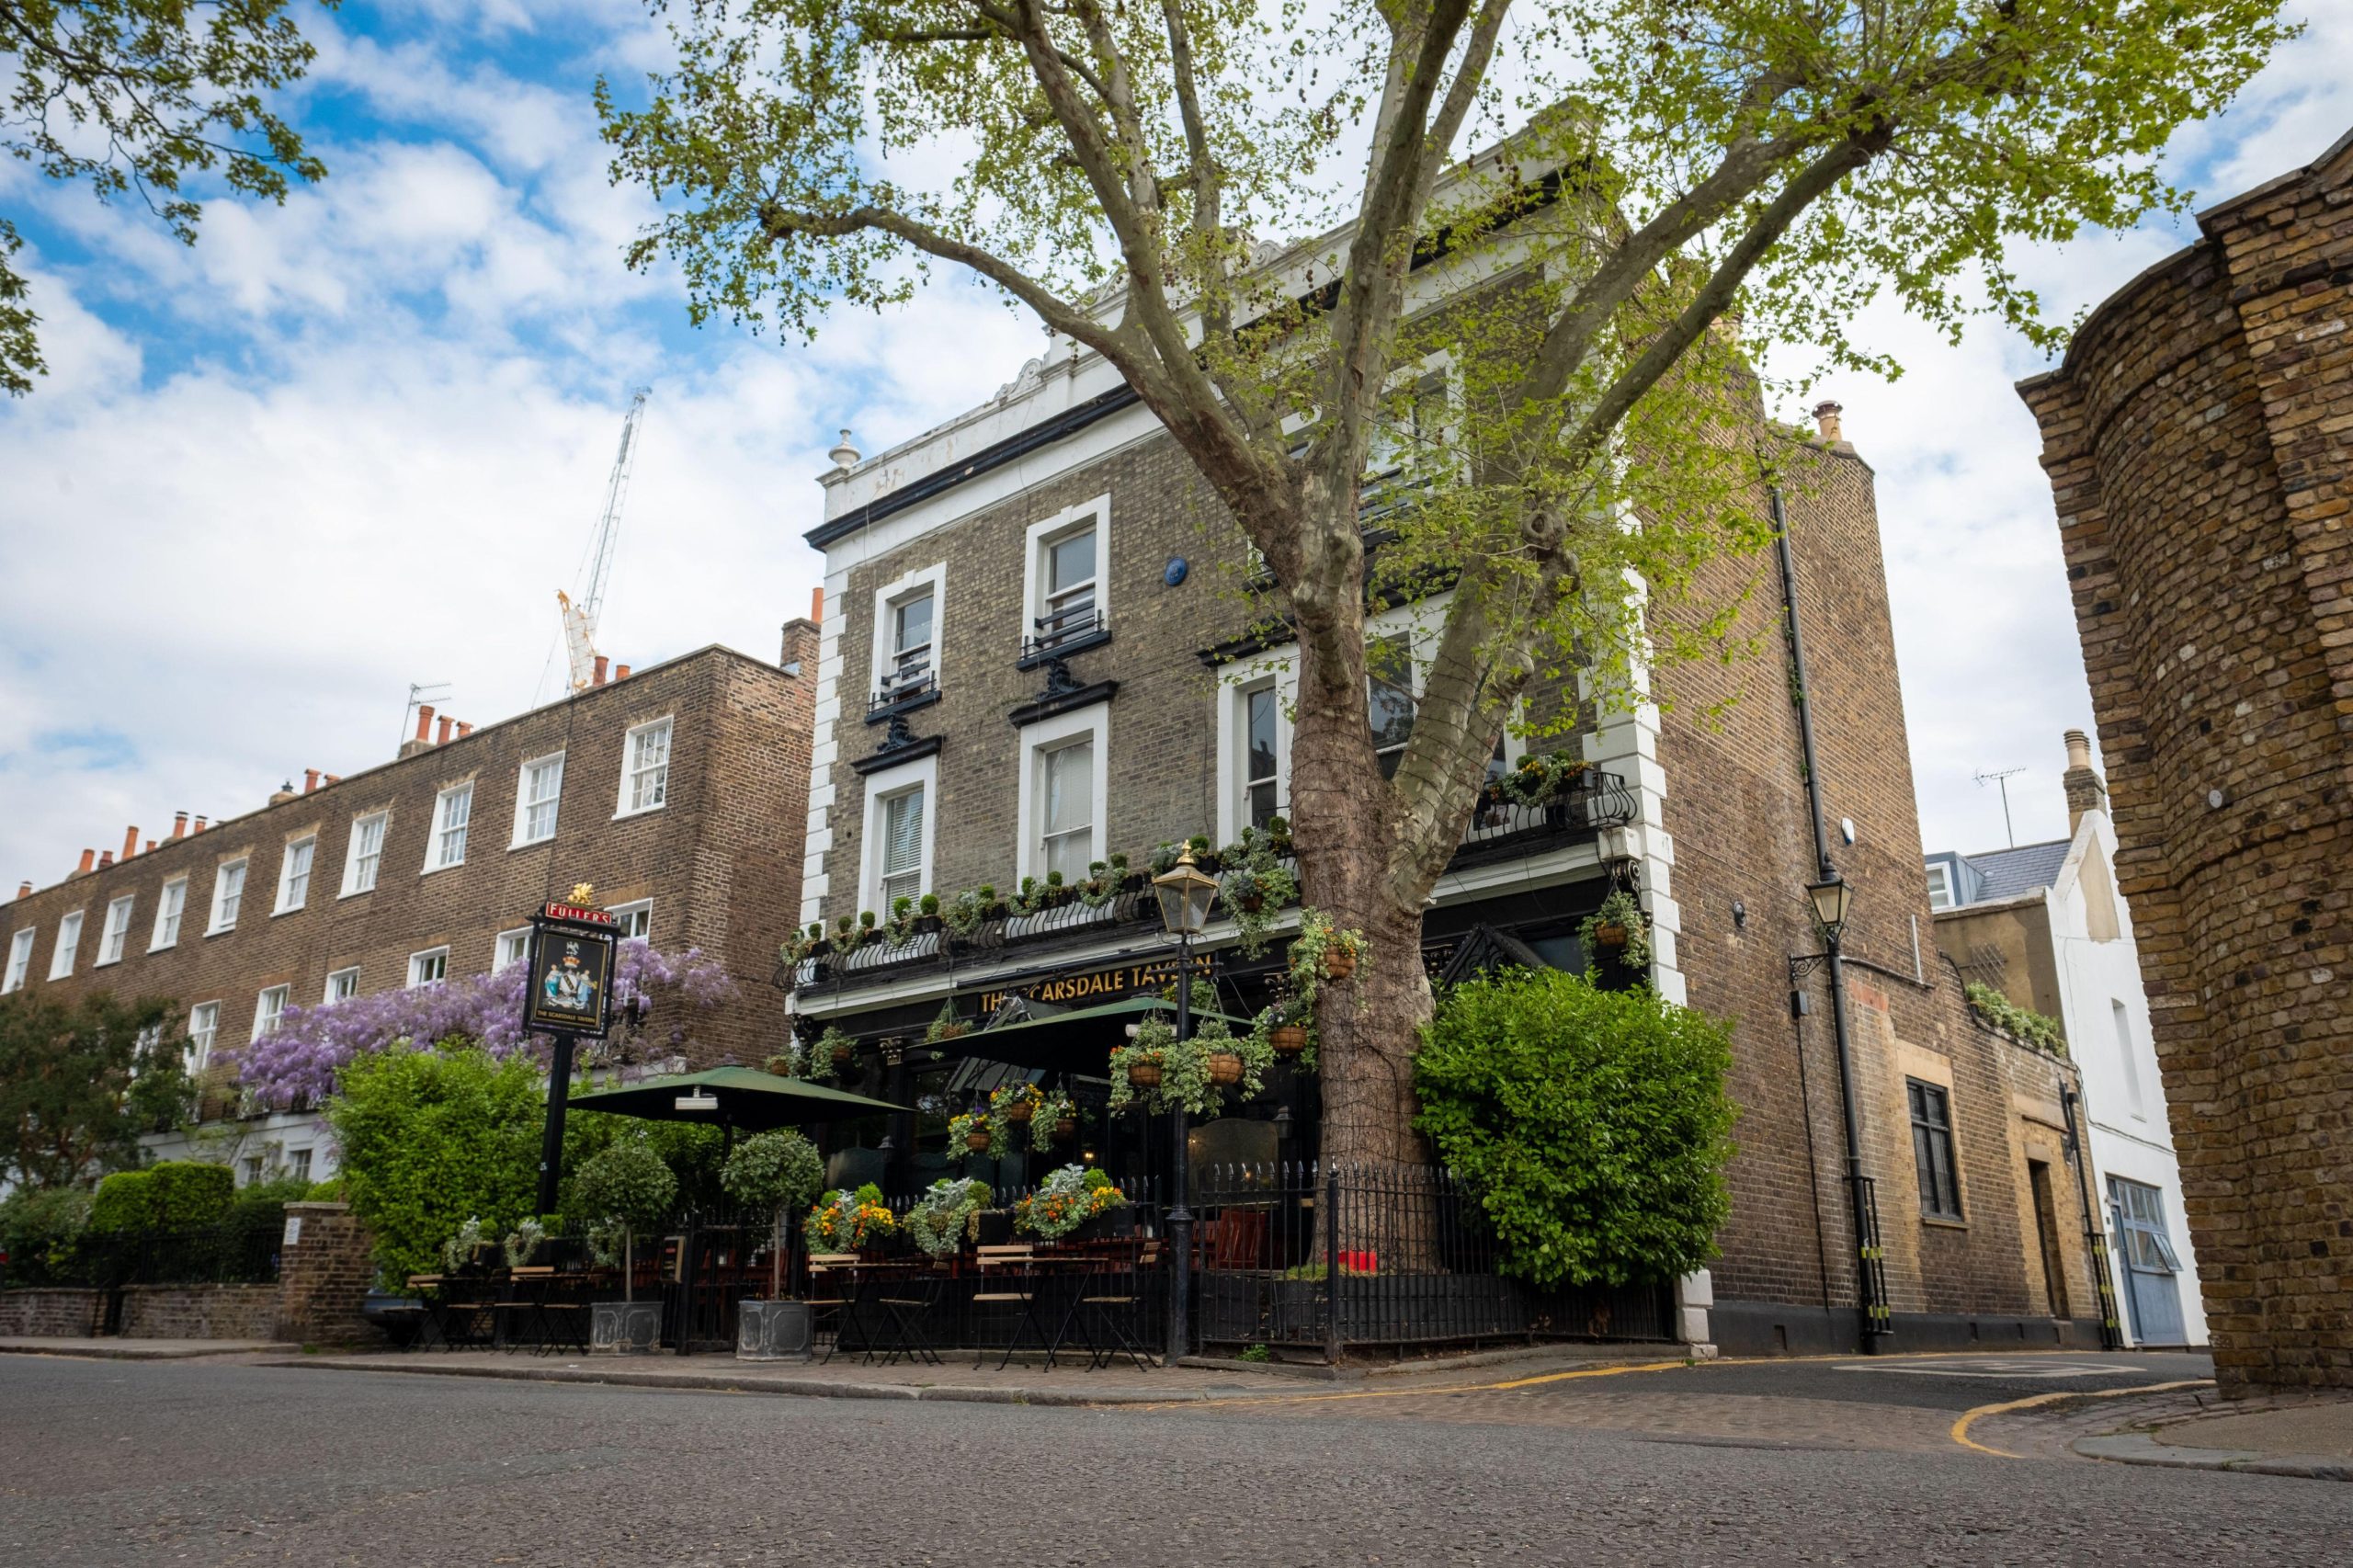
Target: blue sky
[(359, 441)]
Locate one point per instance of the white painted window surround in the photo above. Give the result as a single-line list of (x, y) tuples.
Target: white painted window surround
[(538, 795), (1038, 593), (117, 933), (203, 1027), (882, 788), (168, 909), (364, 852), (645, 768), (634, 921), (887, 599), (228, 897), (429, 968), (69, 940), (20, 960), (453, 811), (343, 985), (294, 873), (267, 1009), (1090, 726), (512, 948)]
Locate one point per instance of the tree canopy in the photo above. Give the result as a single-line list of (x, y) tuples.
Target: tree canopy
[(80, 1082), (134, 97)]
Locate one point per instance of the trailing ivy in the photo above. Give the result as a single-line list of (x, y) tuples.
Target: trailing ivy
[(2038, 1029), (1594, 1125)]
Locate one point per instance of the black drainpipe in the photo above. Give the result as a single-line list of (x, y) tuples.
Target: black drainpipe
[(1870, 1279)]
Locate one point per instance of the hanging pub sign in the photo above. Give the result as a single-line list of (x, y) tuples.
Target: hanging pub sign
[(570, 991)]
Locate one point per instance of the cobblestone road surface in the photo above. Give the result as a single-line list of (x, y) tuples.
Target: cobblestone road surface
[(210, 1463)]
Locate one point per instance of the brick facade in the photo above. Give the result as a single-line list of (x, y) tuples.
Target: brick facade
[(66, 1312), (2197, 440), (199, 1311), (720, 860)]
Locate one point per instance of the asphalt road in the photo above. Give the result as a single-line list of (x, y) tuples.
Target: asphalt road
[(106, 1462)]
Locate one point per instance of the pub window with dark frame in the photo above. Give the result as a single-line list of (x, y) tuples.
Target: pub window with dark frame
[(1932, 1149)]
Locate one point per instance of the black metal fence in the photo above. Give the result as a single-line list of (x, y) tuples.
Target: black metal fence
[(231, 1253), (1334, 1258)]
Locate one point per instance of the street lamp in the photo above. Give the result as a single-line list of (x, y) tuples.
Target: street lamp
[(1185, 891), (1831, 896)]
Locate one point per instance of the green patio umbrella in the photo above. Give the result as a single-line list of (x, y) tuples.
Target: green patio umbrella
[(747, 1097)]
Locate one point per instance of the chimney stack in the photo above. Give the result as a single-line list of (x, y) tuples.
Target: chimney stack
[(1825, 416), (130, 842), (87, 856), (2086, 790), (310, 779), (620, 672), (598, 679), (179, 824)]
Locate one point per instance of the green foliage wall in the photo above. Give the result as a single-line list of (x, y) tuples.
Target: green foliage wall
[(175, 1193), (1592, 1124)]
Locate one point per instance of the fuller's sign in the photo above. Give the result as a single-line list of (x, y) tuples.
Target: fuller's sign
[(1103, 985), (570, 985)]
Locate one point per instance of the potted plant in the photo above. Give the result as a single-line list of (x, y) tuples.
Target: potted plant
[(1203, 855), (1164, 858), (1618, 927), (944, 1216), (946, 1027), (844, 1220), (927, 914), (624, 1190), (1255, 889), (1186, 1075), (1322, 951), (992, 906), (975, 1130), (1066, 1200), (1105, 881), (778, 1172), (902, 920), (1278, 834), (523, 1244)]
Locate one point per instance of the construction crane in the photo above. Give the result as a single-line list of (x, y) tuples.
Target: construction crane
[(580, 620)]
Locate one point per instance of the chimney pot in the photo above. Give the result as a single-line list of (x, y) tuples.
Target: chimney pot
[(179, 824), (464, 730), (2086, 791), (25, 889), (130, 842), (334, 778), (2079, 749), (424, 721), (598, 679), (1826, 415), (310, 779), (442, 736), (106, 858), (199, 828), (817, 604), (620, 672), (151, 848), (87, 856)]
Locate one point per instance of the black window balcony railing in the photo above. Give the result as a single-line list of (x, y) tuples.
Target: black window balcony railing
[(903, 692), (1060, 633)]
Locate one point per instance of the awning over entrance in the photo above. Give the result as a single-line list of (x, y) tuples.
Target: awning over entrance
[(748, 1098), (1079, 1040)]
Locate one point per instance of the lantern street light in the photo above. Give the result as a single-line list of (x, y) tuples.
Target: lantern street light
[(1185, 891), (1831, 896)]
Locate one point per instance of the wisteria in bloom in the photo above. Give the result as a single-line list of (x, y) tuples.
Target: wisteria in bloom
[(656, 996)]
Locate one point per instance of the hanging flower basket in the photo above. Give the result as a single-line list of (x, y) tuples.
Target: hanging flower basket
[(1338, 964), (1609, 935), (1289, 1039), (1065, 1128), (977, 1141), (1019, 1112), (843, 1054), (1144, 1075), (1225, 1068)]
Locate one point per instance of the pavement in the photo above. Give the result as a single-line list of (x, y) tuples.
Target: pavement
[(2305, 1435), (240, 1462), (117, 1349)]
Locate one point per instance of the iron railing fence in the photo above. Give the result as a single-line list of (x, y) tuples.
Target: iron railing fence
[(1331, 1257), (233, 1252)]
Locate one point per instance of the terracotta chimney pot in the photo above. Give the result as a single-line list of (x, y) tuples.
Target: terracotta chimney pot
[(464, 730), (817, 605), (179, 824), (130, 842), (442, 738), (334, 778), (425, 720), (25, 889), (151, 848), (87, 856), (1825, 416), (598, 679), (620, 672), (310, 779), (199, 828), (106, 858)]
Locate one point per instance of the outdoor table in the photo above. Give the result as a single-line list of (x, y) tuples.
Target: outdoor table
[(1058, 1281), (891, 1297)]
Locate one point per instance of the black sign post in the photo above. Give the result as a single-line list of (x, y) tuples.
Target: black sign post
[(568, 995)]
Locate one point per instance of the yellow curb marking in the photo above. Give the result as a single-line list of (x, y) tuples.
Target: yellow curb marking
[(1414, 1392), (1960, 1428)]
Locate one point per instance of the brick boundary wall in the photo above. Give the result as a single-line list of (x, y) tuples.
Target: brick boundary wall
[(2198, 439), (325, 1276), (199, 1311), (68, 1313)]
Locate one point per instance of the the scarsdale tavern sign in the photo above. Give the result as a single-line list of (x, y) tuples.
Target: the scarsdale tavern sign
[(1102, 985)]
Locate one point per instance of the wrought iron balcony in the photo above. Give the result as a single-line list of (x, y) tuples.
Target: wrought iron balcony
[(1062, 633), (903, 691)]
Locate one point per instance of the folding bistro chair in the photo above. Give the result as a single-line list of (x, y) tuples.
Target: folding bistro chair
[(523, 1305), (906, 1297), (1007, 1276), (832, 1290), (1116, 1302)]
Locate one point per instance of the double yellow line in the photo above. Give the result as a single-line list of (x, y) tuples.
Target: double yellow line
[(1960, 1428)]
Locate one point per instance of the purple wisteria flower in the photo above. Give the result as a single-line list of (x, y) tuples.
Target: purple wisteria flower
[(656, 996)]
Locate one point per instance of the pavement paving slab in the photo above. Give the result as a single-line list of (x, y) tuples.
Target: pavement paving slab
[(117, 1349), (2309, 1436)]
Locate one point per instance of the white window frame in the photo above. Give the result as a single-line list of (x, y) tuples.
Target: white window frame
[(622, 808), (887, 600), (331, 993), (1939, 887), (214, 925), (171, 910), (203, 1034), (880, 786), (524, 838), (625, 915), (887, 898), (1092, 722), (303, 1170), (435, 859), (416, 966), (267, 1012), (20, 958), (1280, 672), (500, 957), (289, 898), (1436, 366), (1034, 561), (67, 947), (115, 939), (382, 818)]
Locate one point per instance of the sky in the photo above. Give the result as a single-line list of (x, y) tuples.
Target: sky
[(358, 442)]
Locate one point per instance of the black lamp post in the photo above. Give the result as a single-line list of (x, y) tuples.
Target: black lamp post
[(1185, 891)]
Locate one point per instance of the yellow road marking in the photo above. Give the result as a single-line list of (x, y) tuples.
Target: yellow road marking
[(1412, 1393), (1960, 1428)]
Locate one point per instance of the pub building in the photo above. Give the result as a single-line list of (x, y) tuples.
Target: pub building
[(1037, 653)]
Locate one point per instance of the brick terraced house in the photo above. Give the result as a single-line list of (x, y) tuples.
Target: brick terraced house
[(677, 791), (1035, 654), (2198, 437)]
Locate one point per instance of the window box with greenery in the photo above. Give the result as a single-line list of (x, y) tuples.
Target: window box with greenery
[(776, 1173), (1075, 1200), (1594, 1125), (624, 1192)]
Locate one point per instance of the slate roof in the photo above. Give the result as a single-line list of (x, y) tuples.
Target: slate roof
[(2006, 873)]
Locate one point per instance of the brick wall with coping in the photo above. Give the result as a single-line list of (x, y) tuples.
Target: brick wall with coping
[(2198, 438), (52, 1313), (199, 1311)]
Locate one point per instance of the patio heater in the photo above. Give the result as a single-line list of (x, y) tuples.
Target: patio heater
[(1185, 891)]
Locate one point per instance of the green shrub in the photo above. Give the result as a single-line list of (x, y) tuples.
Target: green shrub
[(328, 1192), (172, 1195), (627, 1189), (38, 1229), (1594, 1125), (125, 1201), (263, 1203)]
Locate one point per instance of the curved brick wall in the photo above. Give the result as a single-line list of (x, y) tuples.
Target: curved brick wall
[(2197, 440)]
